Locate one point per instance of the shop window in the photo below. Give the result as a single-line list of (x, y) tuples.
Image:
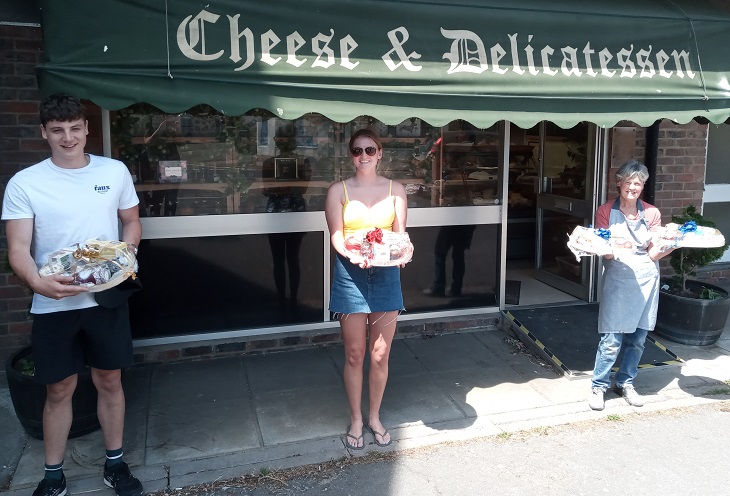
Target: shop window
[(717, 181), (222, 283), (204, 163), (566, 156), (460, 166), (456, 268)]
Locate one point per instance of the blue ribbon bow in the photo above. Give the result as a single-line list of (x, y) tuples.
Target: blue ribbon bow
[(689, 226)]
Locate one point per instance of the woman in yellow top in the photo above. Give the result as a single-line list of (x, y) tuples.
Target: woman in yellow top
[(362, 294)]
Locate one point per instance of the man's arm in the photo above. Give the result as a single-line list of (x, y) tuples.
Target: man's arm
[(131, 226), (20, 234)]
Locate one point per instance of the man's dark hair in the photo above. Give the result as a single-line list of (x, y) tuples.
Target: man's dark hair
[(61, 108)]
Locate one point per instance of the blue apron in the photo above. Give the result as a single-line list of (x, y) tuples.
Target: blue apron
[(630, 291)]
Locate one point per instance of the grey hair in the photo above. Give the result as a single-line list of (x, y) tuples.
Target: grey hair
[(632, 168)]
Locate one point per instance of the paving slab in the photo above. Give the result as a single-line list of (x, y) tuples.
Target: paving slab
[(453, 352), (416, 400), (88, 451), (197, 381), (291, 370), (13, 438), (479, 392), (30, 466), (558, 393), (307, 413), (198, 430), (136, 382), (655, 380)]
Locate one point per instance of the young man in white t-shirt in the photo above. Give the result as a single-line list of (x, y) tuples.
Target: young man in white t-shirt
[(66, 199)]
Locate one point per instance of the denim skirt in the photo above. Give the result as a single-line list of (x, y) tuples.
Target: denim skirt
[(356, 290)]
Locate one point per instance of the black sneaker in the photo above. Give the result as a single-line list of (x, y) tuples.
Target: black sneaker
[(121, 480), (49, 487)]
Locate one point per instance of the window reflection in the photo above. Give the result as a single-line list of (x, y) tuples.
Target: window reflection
[(440, 253), (220, 283), (204, 163), (565, 159), (472, 261), (556, 257)]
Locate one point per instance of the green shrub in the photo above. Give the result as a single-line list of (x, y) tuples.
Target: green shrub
[(686, 261)]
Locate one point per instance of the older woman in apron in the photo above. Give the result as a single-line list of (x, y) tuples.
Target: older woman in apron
[(630, 292)]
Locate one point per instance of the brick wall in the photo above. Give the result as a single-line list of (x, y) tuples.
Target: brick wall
[(680, 175), (21, 144), (681, 161)]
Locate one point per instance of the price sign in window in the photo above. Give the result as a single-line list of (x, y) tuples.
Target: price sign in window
[(173, 171)]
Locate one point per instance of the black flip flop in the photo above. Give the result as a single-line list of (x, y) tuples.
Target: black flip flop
[(382, 436), (357, 440)]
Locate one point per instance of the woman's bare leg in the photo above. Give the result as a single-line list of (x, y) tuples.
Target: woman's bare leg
[(354, 334), (382, 330)]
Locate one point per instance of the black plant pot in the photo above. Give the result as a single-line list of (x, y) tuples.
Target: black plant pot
[(29, 397), (692, 321)]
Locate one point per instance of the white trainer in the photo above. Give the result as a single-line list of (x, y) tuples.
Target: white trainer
[(596, 400), (628, 393)]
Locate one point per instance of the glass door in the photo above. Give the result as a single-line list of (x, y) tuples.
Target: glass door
[(567, 186)]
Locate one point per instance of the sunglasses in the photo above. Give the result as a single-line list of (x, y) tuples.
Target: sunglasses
[(357, 151)]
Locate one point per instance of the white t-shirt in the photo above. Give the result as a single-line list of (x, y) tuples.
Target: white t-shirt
[(69, 206)]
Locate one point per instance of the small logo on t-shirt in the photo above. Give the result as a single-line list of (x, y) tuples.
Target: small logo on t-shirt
[(102, 189)]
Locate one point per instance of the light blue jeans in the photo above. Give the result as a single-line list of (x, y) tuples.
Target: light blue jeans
[(608, 350)]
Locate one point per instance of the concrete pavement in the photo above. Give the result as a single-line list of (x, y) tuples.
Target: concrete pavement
[(199, 421)]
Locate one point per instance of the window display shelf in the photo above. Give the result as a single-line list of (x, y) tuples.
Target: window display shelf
[(165, 192)]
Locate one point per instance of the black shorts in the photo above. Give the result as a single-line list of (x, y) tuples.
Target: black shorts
[(64, 342)]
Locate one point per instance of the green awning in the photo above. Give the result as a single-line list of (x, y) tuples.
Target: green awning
[(524, 61)]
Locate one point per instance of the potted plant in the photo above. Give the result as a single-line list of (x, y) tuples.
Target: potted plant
[(690, 311), (29, 397)]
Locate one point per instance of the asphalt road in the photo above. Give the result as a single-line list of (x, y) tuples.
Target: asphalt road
[(681, 451)]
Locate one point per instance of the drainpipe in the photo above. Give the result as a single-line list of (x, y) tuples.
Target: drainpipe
[(650, 160)]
